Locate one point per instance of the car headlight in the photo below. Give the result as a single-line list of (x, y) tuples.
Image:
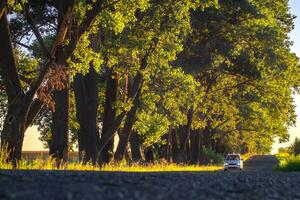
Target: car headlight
[(238, 163), (225, 163)]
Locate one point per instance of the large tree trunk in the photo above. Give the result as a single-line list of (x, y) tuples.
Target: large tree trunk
[(60, 126), (15, 125), (149, 154), (206, 142), (181, 155), (165, 149), (109, 117), (188, 151), (86, 95), (135, 146), (58, 148), (15, 121), (207, 138), (2, 7), (126, 131), (174, 144), (187, 129), (13, 131), (201, 153), (169, 145), (195, 147)]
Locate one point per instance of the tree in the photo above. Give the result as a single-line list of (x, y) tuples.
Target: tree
[(157, 44), (180, 80), (23, 106), (295, 147), (236, 50)]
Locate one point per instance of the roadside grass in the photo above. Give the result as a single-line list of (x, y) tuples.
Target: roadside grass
[(161, 167), (49, 164), (39, 164), (288, 162)]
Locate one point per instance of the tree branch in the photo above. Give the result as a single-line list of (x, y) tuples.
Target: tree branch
[(8, 67), (58, 41), (23, 45), (85, 25), (2, 7), (25, 79), (35, 30), (35, 108), (221, 124)]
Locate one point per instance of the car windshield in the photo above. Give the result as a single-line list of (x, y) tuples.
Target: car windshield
[(233, 157)]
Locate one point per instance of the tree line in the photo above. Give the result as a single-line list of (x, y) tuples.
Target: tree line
[(146, 79)]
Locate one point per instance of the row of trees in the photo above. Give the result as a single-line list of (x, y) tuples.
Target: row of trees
[(294, 148), (170, 79)]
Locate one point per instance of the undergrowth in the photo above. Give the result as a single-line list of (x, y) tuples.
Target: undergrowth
[(288, 162), (50, 164)]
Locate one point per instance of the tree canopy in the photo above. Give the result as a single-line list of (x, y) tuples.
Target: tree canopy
[(170, 79)]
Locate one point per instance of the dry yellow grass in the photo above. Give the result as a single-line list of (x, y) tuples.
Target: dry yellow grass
[(40, 164), (48, 164), (157, 167), (160, 168)]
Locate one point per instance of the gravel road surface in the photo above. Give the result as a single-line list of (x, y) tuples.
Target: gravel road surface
[(257, 181)]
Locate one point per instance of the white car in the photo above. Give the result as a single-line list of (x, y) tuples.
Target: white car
[(233, 161)]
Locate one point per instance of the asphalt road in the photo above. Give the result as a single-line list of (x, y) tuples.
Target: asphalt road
[(261, 163), (255, 182)]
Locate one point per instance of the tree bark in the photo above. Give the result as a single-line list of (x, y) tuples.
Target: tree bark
[(164, 150), (14, 125), (207, 138), (174, 144), (201, 154), (109, 117), (8, 67), (187, 129), (181, 155), (86, 95), (3, 5), (126, 131), (149, 154), (135, 145), (206, 142), (60, 126), (169, 145), (195, 147)]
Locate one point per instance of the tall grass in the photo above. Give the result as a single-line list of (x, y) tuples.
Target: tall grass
[(50, 164), (3, 158), (288, 163)]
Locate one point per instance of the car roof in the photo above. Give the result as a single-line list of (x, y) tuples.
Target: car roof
[(233, 154)]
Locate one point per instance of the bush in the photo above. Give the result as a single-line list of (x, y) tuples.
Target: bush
[(289, 163), (212, 157)]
